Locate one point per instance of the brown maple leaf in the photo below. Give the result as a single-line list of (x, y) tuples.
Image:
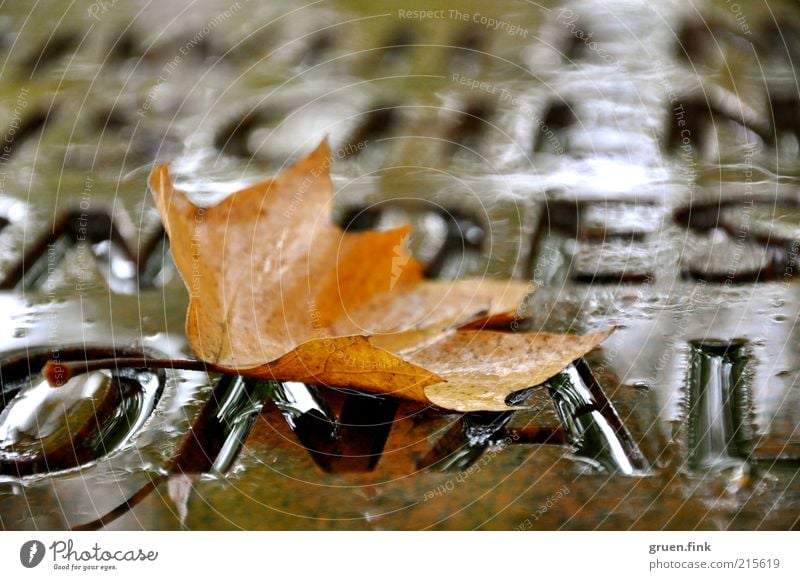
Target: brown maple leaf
[(278, 291)]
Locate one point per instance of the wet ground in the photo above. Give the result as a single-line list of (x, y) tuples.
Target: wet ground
[(638, 162)]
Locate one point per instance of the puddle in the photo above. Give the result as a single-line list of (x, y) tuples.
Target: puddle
[(45, 429)]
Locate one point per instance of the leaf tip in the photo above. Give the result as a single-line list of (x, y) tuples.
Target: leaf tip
[(321, 155), (160, 179), (171, 202), (469, 398)]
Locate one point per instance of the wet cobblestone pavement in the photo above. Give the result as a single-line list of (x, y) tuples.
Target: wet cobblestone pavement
[(638, 162)]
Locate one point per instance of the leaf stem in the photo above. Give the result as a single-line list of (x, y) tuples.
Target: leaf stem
[(58, 373)]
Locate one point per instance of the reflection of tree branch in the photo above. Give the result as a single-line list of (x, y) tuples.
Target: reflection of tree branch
[(196, 454), (121, 509), (178, 493)]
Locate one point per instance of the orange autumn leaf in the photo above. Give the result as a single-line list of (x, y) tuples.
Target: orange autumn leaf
[(278, 291)]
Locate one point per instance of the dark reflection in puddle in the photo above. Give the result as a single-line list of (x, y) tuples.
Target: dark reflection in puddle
[(591, 423), (217, 436), (354, 442), (719, 430), (464, 443)]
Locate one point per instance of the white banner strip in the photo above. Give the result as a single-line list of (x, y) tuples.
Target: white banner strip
[(401, 555)]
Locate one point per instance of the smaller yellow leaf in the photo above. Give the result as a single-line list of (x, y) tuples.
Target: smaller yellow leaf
[(481, 368)]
